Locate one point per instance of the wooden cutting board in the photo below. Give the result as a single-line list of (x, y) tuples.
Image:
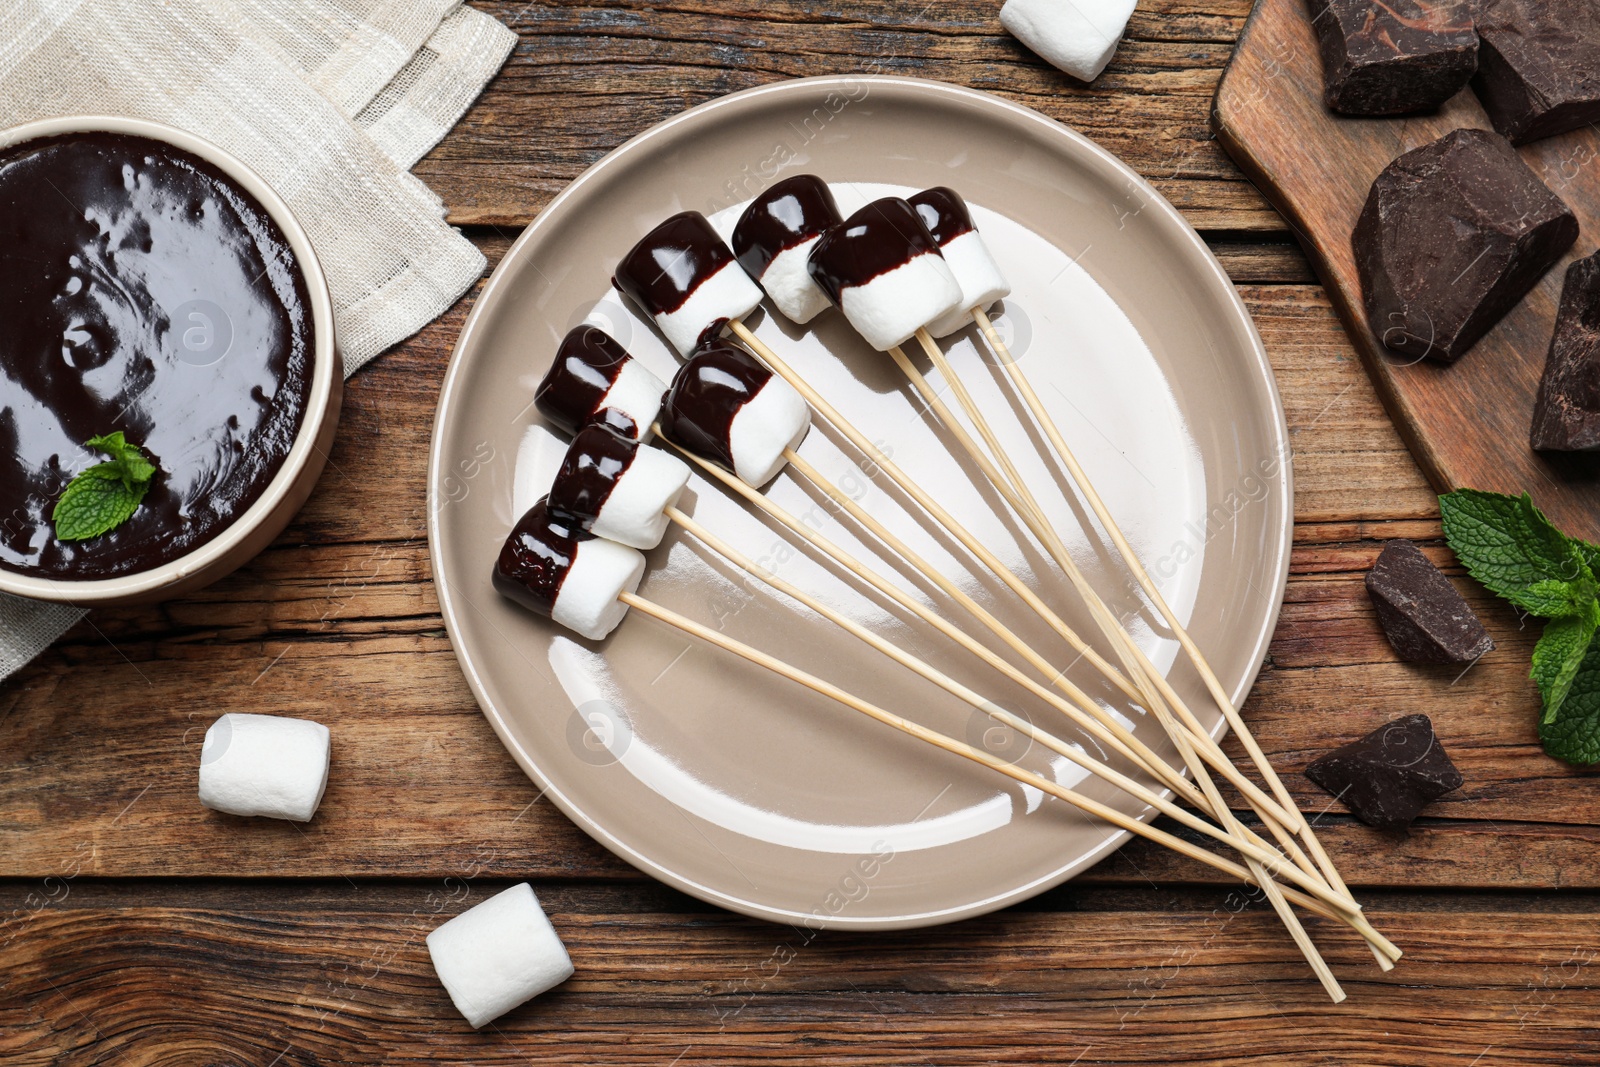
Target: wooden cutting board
[(1466, 424)]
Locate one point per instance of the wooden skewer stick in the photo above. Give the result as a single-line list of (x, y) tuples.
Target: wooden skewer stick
[(1154, 763), (1152, 684), (1212, 753), (977, 755), (1099, 726), (1009, 483), (1157, 696), (800, 464), (828, 412), (1084, 711), (1075, 471), (1273, 860), (927, 503)]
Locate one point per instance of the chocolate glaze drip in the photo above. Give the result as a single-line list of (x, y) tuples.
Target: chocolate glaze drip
[(618, 421), (598, 457), (669, 263), (883, 235), (537, 557), (141, 290), (943, 212), (706, 394), (790, 213), (587, 364)]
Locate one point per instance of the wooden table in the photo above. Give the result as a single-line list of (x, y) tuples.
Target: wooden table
[(137, 927)]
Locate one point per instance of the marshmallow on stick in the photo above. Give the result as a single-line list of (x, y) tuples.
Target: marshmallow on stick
[(883, 268), (684, 276), (593, 378), (945, 215), (617, 488), (551, 565), (773, 241), (726, 407)]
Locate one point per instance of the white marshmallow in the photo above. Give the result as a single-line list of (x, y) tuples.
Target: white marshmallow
[(1079, 36), (264, 765), (727, 294), (601, 572), (979, 277), (539, 456), (893, 306), (789, 284), (776, 418), (498, 954), (637, 394), (635, 511)]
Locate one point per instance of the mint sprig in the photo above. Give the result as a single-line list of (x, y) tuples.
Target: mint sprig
[(106, 495), (1508, 545), (1572, 733)]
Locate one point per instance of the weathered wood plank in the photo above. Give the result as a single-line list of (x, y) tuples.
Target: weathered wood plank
[(585, 78), (320, 975)]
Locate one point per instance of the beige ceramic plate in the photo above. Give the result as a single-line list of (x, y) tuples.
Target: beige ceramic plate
[(743, 789)]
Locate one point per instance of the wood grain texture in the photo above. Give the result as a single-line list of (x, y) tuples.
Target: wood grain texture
[(1467, 423), (138, 928), (211, 974), (585, 77)]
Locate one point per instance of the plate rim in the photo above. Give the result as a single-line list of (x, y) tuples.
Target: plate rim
[(820, 85)]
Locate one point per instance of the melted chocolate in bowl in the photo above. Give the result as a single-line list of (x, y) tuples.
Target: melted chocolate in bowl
[(144, 291)]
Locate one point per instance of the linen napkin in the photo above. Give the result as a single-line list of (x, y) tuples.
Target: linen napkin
[(330, 101)]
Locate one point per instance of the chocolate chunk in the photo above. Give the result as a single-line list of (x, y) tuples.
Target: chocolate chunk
[(1539, 66), (1453, 234), (1424, 617), (1566, 417), (1394, 57), (1389, 776)]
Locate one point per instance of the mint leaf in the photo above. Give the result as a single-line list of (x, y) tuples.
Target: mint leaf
[(1550, 599), (1572, 731), (1510, 547), (1558, 655), (136, 468), (106, 495), (1590, 553)]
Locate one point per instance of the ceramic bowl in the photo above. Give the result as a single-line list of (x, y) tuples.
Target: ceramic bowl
[(289, 488)]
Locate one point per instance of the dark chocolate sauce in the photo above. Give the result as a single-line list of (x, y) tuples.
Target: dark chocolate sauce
[(943, 212), (706, 394), (537, 557), (883, 235), (586, 366), (142, 290), (598, 457), (790, 213), (670, 262)]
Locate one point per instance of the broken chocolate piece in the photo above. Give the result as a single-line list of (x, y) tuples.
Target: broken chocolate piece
[(1394, 57), (1453, 234), (1566, 417), (1389, 776), (1424, 617), (1539, 66)]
